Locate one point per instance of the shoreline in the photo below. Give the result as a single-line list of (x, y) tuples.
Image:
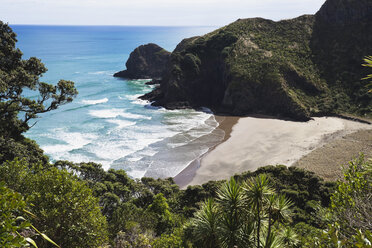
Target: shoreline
[(226, 123), (269, 141)]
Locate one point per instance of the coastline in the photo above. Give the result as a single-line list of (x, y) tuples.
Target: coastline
[(226, 123), (273, 141)]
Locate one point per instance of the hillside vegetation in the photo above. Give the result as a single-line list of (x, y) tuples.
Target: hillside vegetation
[(297, 68)]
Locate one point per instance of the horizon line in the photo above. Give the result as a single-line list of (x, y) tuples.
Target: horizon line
[(110, 25)]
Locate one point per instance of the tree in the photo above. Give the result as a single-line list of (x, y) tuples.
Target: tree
[(160, 209), (368, 63), (205, 224), (65, 207), (16, 110), (16, 75)]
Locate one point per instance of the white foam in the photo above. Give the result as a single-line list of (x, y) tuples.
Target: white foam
[(140, 102), (132, 97), (135, 116), (135, 99), (100, 72), (114, 149), (122, 123), (113, 113), (163, 142), (72, 140), (137, 173), (93, 102)]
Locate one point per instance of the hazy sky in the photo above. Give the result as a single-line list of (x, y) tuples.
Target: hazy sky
[(150, 12)]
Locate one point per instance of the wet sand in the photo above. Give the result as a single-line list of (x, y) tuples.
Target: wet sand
[(252, 142), (226, 124)]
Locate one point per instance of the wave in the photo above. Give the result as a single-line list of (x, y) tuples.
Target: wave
[(113, 113), (70, 141), (93, 102), (134, 99), (101, 73), (122, 123)]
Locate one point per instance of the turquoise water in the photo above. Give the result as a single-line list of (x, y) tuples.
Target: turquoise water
[(106, 123)]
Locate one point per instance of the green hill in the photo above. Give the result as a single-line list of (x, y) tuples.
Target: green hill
[(297, 68)]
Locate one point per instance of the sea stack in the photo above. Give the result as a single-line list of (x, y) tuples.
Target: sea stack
[(146, 62)]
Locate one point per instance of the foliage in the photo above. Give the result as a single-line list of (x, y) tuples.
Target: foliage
[(17, 77), (250, 215), (351, 205), (134, 237), (173, 240), (65, 208), (159, 207), (11, 206), (351, 202), (15, 230), (368, 63), (22, 148)]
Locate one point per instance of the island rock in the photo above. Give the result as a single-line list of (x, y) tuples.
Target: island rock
[(146, 62)]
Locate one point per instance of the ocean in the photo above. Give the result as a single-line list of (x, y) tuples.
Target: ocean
[(106, 123)]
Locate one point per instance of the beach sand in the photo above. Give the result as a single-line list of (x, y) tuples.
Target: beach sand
[(252, 142), (226, 124)]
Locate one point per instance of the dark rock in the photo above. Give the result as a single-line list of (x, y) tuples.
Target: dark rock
[(146, 62), (153, 82), (345, 12)]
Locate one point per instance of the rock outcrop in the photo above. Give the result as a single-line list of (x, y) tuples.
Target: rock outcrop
[(297, 68), (146, 62)]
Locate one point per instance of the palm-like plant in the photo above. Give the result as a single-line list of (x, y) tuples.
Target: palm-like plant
[(230, 199), (250, 215), (289, 237), (205, 224), (368, 63), (257, 192), (271, 240)]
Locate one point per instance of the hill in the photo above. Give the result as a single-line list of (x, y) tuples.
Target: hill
[(297, 68)]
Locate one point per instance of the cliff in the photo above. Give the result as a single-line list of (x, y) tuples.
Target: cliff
[(146, 61), (297, 68)]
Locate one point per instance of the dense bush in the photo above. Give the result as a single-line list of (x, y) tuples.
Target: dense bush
[(65, 208)]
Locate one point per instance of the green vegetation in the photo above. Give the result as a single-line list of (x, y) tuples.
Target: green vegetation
[(15, 230), (11, 206), (81, 205), (65, 208), (248, 215), (368, 63)]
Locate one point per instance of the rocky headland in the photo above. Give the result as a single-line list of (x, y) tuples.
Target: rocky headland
[(297, 68)]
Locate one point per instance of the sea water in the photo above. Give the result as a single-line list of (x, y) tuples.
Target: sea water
[(107, 123)]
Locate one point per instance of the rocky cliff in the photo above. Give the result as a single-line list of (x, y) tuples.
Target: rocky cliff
[(146, 62), (297, 68)]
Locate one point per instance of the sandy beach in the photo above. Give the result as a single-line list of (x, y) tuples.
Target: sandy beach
[(252, 142)]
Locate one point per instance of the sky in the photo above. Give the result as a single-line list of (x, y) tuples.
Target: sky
[(150, 12)]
